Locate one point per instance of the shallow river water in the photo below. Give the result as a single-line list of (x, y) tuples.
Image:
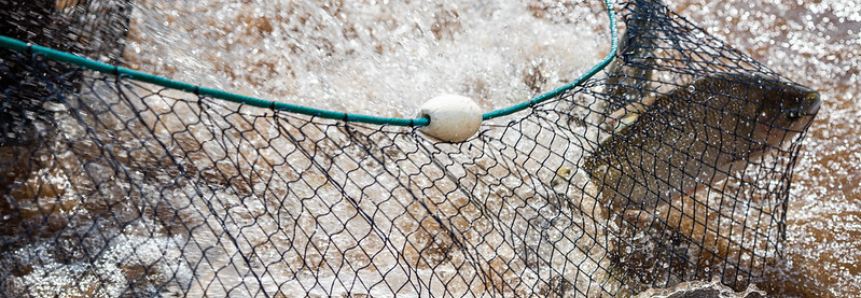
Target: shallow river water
[(817, 44), (360, 59)]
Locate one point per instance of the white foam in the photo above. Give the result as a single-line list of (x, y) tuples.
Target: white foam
[(365, 57)]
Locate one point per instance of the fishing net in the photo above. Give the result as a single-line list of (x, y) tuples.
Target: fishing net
[(673, 165)]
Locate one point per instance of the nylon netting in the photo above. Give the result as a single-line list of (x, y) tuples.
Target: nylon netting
[(672, 166)]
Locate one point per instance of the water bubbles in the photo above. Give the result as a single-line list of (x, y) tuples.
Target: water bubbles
[(385, 59)]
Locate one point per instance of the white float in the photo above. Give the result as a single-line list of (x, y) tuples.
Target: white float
[(453, 118)]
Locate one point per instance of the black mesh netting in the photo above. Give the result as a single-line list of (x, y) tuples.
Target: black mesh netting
[(673, 167)]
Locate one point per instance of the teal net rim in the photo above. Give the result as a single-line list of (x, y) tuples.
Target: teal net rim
[(24, 47)]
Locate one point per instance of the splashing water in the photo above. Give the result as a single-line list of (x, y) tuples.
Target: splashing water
[(817, 44), (379, 58), (371, 58), (386, 59)]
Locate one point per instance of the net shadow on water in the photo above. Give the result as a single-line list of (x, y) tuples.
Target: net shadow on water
[(674, 167)]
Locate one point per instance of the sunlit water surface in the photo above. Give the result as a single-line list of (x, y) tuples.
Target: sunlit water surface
[(360, 58), (357, 57), (817, 44), (370, 57)]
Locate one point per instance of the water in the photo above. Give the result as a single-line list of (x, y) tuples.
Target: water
[(372, 58), (357, 57), (379, 58), (817, 44)]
